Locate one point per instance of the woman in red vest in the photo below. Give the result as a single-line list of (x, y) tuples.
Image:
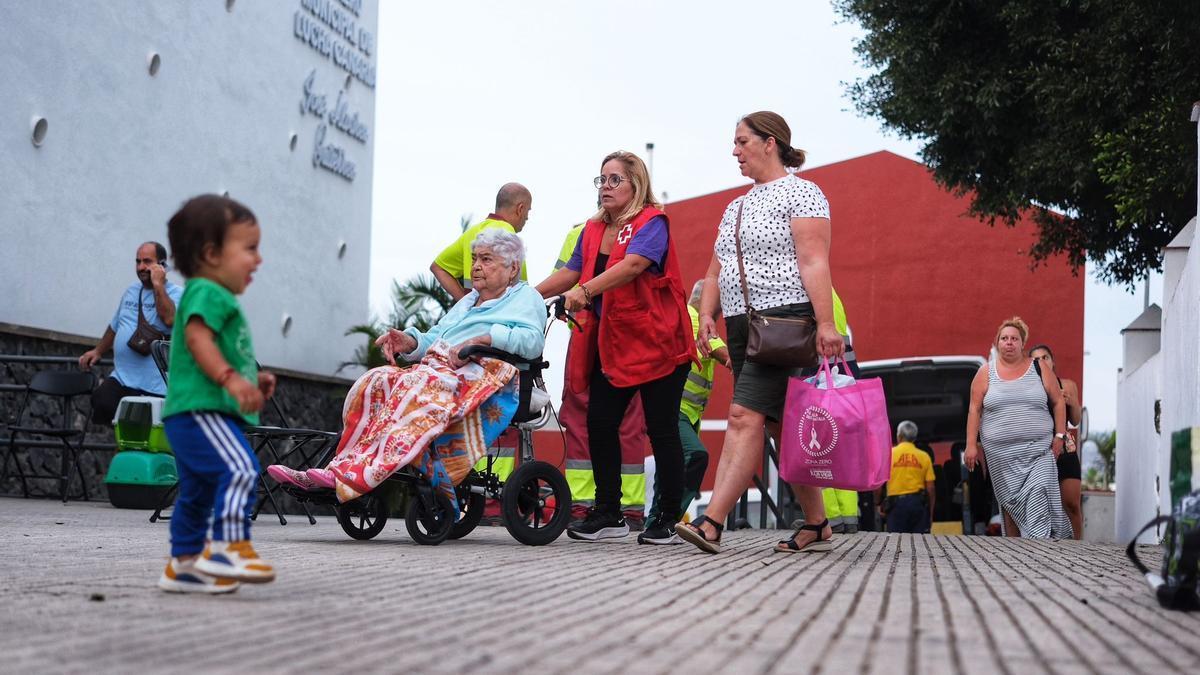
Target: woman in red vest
[(636, 337)]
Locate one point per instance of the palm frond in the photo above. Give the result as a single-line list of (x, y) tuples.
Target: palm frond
[(419, 302), (372, 330), (366, 356), (421, 289)]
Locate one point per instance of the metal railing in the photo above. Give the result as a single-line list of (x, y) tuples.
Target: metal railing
[(9, 359), (779, 503)]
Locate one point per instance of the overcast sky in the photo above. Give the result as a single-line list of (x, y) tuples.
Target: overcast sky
[(473, 94)]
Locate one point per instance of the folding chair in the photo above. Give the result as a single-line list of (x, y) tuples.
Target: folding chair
[(64, 385), (308, 443)]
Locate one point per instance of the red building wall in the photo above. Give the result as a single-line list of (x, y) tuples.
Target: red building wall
[(918, 276)]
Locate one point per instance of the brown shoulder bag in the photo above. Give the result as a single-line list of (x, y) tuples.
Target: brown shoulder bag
[(145, 334)]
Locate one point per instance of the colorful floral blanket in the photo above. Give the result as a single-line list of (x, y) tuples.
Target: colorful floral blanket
[(443, 419)]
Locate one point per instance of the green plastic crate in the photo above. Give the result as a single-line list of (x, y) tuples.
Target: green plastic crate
[(138, 424), (137, 479)]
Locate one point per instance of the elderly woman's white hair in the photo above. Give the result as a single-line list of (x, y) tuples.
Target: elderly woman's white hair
[(504, 245)]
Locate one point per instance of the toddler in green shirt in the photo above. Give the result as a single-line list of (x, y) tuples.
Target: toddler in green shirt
[(214, 387)]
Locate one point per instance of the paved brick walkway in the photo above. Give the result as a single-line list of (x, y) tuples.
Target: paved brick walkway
[(77, 595)]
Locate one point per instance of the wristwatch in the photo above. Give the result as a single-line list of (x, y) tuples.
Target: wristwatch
[(1061, 436)]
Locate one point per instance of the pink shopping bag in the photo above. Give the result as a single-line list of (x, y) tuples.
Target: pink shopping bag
[(836, 436)]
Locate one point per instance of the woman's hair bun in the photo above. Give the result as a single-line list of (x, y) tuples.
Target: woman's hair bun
[(793, 157)]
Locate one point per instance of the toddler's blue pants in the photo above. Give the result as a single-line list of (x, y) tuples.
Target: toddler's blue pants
[(217, 474)]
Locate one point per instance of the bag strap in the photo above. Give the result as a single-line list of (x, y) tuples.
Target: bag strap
[(827, 369), (737, 240), (141, 316), (841, 360), (1131, 550)]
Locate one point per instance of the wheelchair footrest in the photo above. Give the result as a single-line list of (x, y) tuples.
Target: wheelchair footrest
[(321, 496)]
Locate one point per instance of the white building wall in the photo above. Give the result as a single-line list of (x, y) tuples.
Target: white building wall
[(1181, 341), (1140, 345), (124, 149), (1138, 449)]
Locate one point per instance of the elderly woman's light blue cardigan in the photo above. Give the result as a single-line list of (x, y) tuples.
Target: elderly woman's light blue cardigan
[(516, 321)]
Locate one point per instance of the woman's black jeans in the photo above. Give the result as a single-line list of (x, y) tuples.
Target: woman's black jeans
[(606, 409)]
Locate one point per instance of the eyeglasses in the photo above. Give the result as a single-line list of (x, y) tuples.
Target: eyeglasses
[(614, 181)]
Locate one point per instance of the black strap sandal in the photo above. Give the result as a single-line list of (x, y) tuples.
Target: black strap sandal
[(691, 533), (817, 545)]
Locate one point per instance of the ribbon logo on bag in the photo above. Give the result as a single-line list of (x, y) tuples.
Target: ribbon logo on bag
[(818, 431)]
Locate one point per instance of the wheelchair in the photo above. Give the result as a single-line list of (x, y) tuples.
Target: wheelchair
[(535, 500)]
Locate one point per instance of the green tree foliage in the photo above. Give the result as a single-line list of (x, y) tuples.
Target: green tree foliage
[(1077, 106), (418, 303)]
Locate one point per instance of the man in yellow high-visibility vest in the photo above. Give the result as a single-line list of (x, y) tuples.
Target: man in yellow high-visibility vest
[(452, 267), (572, 415), (696, 390), (841, 506)]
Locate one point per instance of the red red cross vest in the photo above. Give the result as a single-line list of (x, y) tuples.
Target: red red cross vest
[(644, 331)]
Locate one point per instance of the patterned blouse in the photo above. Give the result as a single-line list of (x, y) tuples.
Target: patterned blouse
[(768, 250)]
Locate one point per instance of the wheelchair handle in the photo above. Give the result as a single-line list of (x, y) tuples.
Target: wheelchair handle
[(556, 306)]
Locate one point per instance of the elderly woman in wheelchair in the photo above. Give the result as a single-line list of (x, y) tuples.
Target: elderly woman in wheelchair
[(422, 428)]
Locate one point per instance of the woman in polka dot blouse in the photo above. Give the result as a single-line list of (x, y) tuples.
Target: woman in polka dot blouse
[(785, 235)]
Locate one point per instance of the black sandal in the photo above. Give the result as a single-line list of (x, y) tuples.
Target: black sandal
[(817, 545), (691, 533)]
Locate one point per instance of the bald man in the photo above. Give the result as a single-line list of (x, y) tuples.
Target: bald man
[(452, 267), (134, 372)]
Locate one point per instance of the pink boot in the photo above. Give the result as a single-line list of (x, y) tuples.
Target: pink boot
[(322, 478), (286, 476)]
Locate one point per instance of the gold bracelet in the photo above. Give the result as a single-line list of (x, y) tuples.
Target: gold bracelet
[(587, 295)]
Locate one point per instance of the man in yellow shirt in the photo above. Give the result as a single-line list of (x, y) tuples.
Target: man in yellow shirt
[(452, 267), (910, 489)]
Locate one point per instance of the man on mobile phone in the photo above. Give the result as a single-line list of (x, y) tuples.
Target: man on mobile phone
[(134, 374)]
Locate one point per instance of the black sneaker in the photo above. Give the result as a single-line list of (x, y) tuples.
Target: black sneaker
[(599, 525), (659, 532)]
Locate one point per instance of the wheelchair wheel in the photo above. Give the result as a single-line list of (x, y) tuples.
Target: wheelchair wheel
[(536, 503), (472, 506), (363, 518), (429, 518)]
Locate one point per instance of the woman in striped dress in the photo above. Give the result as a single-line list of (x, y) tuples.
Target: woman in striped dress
[(1011, 402)]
